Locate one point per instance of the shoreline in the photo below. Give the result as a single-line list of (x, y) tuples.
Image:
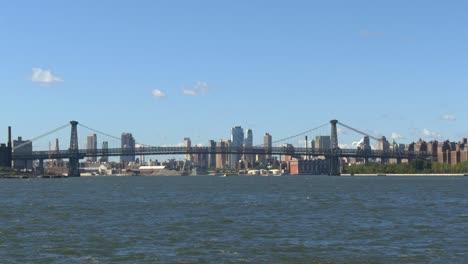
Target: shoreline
[(407, 175)]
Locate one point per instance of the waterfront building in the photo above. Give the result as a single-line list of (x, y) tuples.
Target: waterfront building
[(128, 145), (237, 140), (310, 167), (21, 146), (287, 148), (91, 146)]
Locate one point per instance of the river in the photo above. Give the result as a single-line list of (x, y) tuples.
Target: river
[(208, 219)]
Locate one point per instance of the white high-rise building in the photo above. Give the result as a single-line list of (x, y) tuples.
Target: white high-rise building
[(188, 145)]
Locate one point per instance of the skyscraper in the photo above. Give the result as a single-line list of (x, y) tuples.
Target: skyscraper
[(188, 146), (211, 155), (91, 146), (248, 144), (105, 151), (128, 145), (323, 142), (221, 158), (237, 140), (267, 144)]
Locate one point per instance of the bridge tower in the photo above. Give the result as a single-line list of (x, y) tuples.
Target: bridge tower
[(334, 158), (74, 161), (9, 149)]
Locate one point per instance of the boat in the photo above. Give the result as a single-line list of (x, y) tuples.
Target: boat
[(224, 175)]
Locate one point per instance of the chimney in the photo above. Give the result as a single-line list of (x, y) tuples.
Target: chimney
[(9, 136)]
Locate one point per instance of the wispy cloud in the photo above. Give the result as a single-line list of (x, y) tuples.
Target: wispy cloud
[(426, 133), (448, 117), (202, 87), (197, 88), (189, 92), (370, 34), (158, 93), (44, 76), (396, 136)]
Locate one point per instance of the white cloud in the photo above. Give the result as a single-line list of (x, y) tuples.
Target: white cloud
[(189, 92), (202, 87), (44, 76), (345, 146), (448, 117), (396, 136), (197, 88), (428, 133), (158, 93)]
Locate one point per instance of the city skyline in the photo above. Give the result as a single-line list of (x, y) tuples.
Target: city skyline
[(164, 73)]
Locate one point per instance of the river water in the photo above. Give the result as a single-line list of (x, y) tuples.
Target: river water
[(290, 219)]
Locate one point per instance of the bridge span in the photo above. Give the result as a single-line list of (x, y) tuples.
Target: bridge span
[(333, 154)]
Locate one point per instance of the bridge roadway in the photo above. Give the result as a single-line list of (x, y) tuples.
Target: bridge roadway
[(350, 153)]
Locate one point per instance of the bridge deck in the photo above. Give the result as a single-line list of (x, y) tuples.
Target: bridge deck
[(147, 151)]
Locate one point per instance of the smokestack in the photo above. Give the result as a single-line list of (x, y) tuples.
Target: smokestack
[(9, 136)]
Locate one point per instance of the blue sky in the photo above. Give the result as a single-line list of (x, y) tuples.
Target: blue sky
[(388, 67)]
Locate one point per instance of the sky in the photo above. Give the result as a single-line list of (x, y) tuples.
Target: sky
[(165, 70)]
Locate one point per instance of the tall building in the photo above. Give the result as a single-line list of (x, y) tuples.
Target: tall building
[(237, 140), (105, 151), (21, 146), (248, 144), (267, 144), (91, 146), (188, 146), (211, 154), (382, 144), (57, 162), (221, 157), (323, 142), (128, 145)]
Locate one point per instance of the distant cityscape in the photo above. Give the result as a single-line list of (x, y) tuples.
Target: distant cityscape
[(203, 163)]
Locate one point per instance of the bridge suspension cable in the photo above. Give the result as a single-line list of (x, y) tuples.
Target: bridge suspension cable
[(99, 132), (297, 135), (108, 135), (358, 131), (43, 135)]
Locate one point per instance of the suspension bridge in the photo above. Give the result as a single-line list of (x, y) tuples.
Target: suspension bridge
[(332, 154)]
